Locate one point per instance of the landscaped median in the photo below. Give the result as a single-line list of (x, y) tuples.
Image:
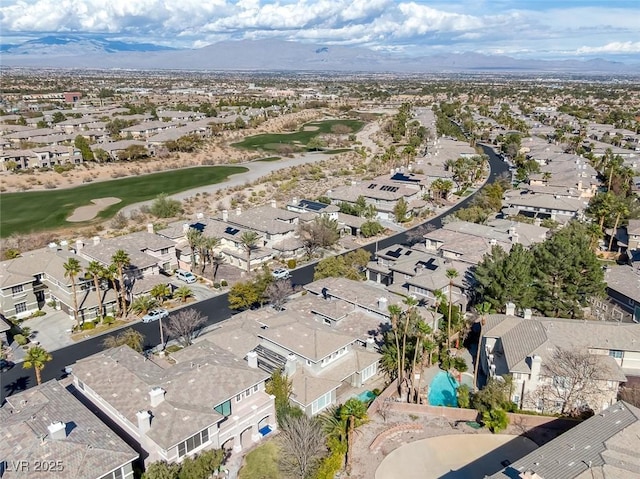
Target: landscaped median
[(44, 210)]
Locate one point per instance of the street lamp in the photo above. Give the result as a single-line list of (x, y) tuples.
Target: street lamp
[(161, 335)]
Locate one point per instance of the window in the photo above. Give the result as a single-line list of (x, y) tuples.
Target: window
[(321, 403), (239, 398), (80, 385), (369, 371), (193, 442), (164, 251), (224, 408), (117, 474), (516, 399), (15, 290), (255, 388), (614, 353), (21, 307)]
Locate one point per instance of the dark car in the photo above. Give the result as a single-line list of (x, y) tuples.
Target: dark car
[(5, 365)]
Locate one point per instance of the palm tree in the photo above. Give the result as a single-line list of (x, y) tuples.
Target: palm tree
[(354, 414), (249, 240), (622, 211), (96, 271), (451, 275), (482, 309), (423, 331), (409, 318), (394, 315), (72, 269), (208, 245), (143, 304), (194, 238), (160, 292), (121, 260), (37, 358), (183, 292)]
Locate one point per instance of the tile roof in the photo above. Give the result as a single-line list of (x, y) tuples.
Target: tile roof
[(203, 377), (89, 450), (603, 446)]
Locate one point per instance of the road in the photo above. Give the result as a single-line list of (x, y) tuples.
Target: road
[(215, 309)]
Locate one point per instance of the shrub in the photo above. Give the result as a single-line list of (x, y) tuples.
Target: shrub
[(464, 398), (20, 339), (173, 348), (224, 283), (216, 285), (108, 320), (495, 420), (291, 264), (38, 313), (88, 325)]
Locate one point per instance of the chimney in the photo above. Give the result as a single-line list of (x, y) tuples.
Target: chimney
[(510, 309), (371, 344), (382, 303), (274, 204), (144, 421), (294, 201), (64, 244), (527, 314), (53, 246), (537, 222), (238, 211), (150, 228), (515, 237), (157, 396), (291, 365), (252, 359), (185, 228), (57, 430), (391, 172), (79, 245), (200, 216), (225, 215), (96, 240), (536, 366)]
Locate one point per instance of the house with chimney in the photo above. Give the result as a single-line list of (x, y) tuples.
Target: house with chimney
[(208, 399), (602, 447), (326, 341), (47, 426), (37, 277), (152, 257), (523, 346)]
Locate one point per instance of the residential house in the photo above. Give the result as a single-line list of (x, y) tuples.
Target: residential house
[(36, 277), (633, 233), (207, 399), (380, 192), (148, 128), (46, 431), (602, 447), (152, 257), (540, 205), (623, 288), (523, 347)]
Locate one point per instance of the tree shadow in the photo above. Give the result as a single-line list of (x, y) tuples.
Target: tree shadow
[(20, 384)]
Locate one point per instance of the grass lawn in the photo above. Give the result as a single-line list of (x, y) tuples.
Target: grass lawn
[(299, 139), (261, 463), (43, 210)]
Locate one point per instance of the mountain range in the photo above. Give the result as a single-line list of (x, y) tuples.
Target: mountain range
[(76, 51)]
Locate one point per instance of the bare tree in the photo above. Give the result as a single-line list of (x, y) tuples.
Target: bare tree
[(574, 380), (277, 293), (183, 325), (302, 446), (322, 232), (631, 394), (383, 408)]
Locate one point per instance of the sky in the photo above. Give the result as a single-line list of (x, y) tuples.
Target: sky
[(576, 29)]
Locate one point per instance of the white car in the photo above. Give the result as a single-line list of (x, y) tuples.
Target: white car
[(186, 276), (154, 315), (281, 273)]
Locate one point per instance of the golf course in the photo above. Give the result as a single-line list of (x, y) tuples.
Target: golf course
[(43, 210)]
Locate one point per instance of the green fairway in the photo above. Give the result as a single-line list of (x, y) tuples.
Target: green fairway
[(42, 210), (299, 139)]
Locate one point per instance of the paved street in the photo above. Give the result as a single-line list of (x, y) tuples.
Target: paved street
[(216, 309)]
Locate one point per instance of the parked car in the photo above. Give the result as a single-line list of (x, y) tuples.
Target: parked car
[(281, 273), (154, 315), (5, 365), (186, 276)]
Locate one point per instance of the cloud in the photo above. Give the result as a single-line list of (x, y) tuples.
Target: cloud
[(464, 25), (612, 48)]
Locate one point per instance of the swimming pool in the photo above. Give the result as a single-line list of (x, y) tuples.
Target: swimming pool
[(366, 396), (442, 390)]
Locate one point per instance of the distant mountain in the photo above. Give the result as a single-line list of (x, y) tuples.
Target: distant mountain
[(76, 45), (276, 55)]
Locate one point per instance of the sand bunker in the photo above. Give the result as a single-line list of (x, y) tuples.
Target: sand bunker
[(86, 213), (311, 128), (458, 456)]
